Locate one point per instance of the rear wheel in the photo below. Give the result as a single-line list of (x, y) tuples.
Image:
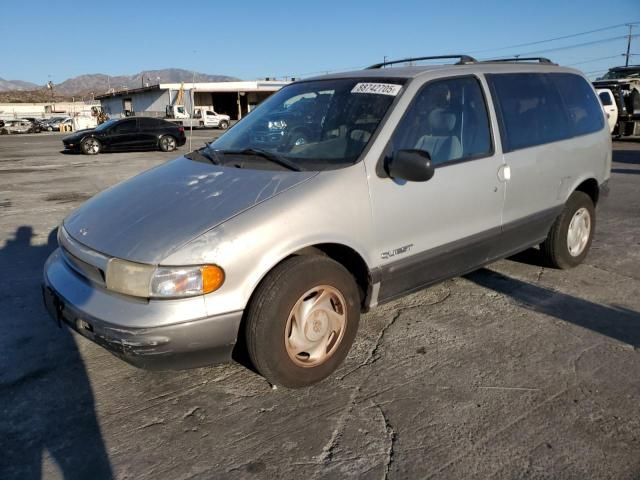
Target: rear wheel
[(91, 146), (167, 143), (302, 321), (570, 237)]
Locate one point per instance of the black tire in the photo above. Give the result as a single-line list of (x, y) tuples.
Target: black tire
[(223, 125), (201, 124), (167, 143), (268, 314), (634, 102), (91, 146), (555, 249)]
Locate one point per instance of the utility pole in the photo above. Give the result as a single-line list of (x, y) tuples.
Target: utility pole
[(627, 55)]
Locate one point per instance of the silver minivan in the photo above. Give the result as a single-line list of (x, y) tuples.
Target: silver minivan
[(336, 194)]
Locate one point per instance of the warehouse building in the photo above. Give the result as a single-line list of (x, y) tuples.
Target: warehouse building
[(231, 98)]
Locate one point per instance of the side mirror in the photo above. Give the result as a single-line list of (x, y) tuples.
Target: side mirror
[(410, 165)]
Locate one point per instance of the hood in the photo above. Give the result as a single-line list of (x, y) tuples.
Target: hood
[(152, 215), (77, 135)]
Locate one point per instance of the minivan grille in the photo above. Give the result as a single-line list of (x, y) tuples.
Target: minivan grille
[(94, 274)]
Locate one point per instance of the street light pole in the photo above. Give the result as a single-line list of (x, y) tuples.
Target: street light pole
[(627, 55)]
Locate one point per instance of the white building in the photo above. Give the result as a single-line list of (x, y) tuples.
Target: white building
[(9, 111), (231, 98)]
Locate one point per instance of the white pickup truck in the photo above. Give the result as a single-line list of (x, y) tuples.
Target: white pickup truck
[(624, 84), (203, 117)]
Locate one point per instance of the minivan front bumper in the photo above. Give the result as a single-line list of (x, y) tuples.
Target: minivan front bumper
[(136, 330)]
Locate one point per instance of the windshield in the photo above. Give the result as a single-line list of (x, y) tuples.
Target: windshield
[(622, 73), (105, 125), (314, 125)]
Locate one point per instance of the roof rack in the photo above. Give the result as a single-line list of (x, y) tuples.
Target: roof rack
[(463, 60), (521, 59)]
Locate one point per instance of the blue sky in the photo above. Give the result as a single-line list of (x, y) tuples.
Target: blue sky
[(253, 39)]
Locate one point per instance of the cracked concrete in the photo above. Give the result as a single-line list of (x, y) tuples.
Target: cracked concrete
[(514, 371)]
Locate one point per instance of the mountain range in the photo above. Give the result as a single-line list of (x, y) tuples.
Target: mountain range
[(6, 85), (100, 83)]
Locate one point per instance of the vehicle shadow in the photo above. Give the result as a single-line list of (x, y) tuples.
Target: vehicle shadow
[(48, 408), (626, 156), (615, 322), (625, 170), (530, 256)]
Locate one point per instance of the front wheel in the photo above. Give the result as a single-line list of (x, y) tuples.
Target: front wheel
[(302, 320), (569, 239), (167, 143), (223, 125), (90, 146)]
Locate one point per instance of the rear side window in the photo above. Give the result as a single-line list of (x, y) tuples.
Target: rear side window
[(584, 110), (538, 108), (530, 110)]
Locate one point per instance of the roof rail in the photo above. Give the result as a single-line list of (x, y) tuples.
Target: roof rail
[(521, 59), (463, 60)]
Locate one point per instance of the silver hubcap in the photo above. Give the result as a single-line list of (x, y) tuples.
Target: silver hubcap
[(93, 146), (579, 232), (300, 141), (168, 143), (315, 326)]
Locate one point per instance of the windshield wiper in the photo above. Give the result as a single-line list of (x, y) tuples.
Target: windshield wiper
[(207, 153), (264, 154)]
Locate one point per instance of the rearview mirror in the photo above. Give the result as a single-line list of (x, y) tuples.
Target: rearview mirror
[(411, 165)]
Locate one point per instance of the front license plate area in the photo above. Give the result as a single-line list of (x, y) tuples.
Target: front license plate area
[(54, 305)]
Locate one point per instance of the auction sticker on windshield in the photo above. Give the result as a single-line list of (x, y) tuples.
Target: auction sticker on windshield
[(377, 88)]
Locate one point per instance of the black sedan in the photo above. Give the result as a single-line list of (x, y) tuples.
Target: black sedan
[(141, 133)]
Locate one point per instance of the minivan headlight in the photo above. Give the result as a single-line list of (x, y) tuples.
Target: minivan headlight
[(142, 280), (185, 281)]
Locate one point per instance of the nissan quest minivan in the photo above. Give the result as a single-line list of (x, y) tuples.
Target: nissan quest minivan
[(277, 241)]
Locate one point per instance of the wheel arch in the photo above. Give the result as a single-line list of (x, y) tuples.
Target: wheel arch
[(346, 256), (590, 187)]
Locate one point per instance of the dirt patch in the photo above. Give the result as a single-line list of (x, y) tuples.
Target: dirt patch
[(6, 171), (67, 197)]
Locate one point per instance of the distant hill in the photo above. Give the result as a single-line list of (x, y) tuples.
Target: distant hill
[(6, 85), (42, 95), (98, 83)]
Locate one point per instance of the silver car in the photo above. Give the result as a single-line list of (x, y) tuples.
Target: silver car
[(406, 176)]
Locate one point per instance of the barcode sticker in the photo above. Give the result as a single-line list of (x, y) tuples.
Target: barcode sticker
[(377, 88)]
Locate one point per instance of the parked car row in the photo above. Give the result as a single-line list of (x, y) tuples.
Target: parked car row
[(33, 124), (53, 124), (19, 125)]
